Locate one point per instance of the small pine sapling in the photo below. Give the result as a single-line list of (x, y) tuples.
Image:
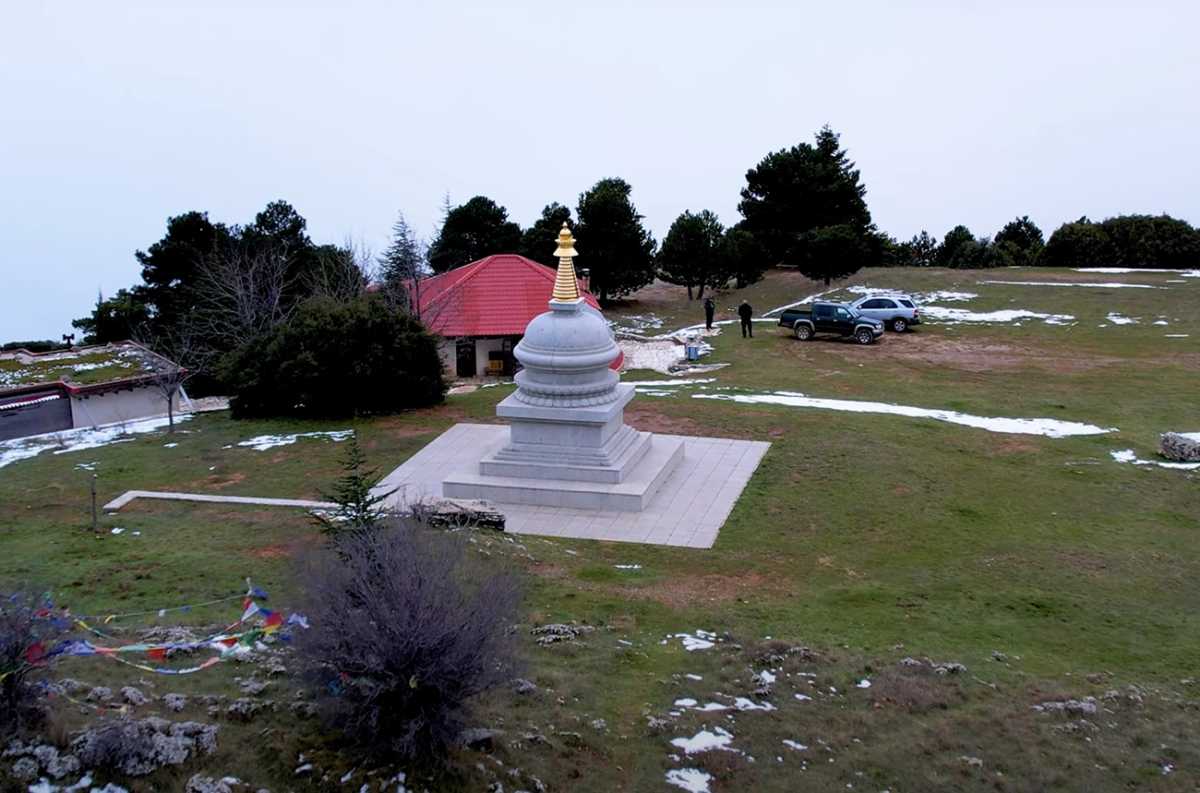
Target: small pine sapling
[(359, 509)]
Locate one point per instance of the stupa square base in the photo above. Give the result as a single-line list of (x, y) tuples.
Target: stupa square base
[(632, 494), (689, 508)]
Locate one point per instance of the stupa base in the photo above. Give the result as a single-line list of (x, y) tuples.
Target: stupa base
[(641, 482)]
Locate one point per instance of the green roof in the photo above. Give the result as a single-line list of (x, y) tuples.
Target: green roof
[(82, 366)]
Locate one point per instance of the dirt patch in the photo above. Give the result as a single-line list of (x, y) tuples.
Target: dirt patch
[(679, 591), (983, 355), (270, 552), (1015, 446), (649, 419), (684, 592), (1084, 562)]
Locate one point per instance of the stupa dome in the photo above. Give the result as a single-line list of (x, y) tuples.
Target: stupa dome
[(566, 351)]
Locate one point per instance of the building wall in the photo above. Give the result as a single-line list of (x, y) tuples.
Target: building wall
[(448, 352), (114, 406), (53, 415), (482, 348)]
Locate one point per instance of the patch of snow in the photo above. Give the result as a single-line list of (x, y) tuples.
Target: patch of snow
[(1003, 315), (682, 381), (803, 697), (745, 703), (78, 439), (1051, 428), (766, 677), (942, 296), (691, 676), (705, 741), (795, 745), (702, 640), (628, 566), (686, 702), (809, 299), (692, 780), (1161, 322), (116, 530), (261, 443), (1127, 270), (864, 683), (1106, 285), (1175, 335), (1129, 456), (1117, 319)]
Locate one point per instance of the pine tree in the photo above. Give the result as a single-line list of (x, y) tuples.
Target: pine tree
[(402, 265), (358, 508), (614, 246)]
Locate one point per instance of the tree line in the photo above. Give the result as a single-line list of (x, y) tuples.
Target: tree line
[(285, 325)]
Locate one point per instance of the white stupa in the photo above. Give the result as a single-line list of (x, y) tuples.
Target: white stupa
[(568, 444)]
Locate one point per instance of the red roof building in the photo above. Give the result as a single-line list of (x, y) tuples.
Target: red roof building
[(481, 310)]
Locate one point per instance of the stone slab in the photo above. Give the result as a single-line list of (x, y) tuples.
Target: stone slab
[(631, 494), (689, 509)]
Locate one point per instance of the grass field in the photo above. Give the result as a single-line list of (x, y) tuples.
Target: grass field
[(1043, 565)]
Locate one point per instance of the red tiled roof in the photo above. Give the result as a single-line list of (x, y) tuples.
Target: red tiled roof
[(495, 296)]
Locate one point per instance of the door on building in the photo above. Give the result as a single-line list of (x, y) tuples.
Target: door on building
[(466, 357)]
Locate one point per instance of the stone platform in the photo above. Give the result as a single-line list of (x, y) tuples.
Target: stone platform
[(685, 507), (641, 482)]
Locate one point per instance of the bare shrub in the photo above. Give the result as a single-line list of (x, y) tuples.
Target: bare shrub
[(28, 630), (408, 626)]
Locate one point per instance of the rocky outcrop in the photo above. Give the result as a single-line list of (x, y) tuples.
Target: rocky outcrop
[(1180, 448), (140, 747)]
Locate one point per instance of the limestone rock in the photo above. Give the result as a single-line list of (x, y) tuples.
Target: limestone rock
[(455, 513), (559, 632), (522, 686), (54, 764), (140, 747), (25, 769), (244, 709), (133, 696), (480, 738), (175, 702), (207, 784), (1181, 449), (100, 694)]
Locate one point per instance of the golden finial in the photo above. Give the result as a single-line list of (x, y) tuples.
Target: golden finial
[(566, 288)]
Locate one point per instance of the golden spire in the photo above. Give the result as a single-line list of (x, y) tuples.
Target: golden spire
[(566, 288)]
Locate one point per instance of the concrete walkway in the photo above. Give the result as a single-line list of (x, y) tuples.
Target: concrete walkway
[(131, 495)]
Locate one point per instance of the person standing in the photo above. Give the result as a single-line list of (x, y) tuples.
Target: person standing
[(710, 310), (746, 312)]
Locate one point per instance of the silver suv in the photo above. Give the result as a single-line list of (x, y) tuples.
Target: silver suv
[(897, 311)]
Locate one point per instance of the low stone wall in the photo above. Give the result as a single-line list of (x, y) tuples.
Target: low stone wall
[(1180, 448)]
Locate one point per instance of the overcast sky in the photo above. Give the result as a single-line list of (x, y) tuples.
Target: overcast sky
[(115, 115)]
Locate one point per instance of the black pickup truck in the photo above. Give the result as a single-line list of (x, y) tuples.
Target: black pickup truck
[(836, 318)]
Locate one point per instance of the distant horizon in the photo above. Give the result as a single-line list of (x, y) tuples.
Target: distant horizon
[(117, 118)]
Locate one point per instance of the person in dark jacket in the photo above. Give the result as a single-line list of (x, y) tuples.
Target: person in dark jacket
[(710, 310), (746, 312)]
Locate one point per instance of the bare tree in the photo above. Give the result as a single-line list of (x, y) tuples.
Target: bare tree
[(344, 272), (172, 358), (242, 292)]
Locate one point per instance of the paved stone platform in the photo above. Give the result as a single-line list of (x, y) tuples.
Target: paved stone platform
[(688, 510)]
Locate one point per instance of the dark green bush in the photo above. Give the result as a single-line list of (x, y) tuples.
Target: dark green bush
[(335, 359), (1124, 241)]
